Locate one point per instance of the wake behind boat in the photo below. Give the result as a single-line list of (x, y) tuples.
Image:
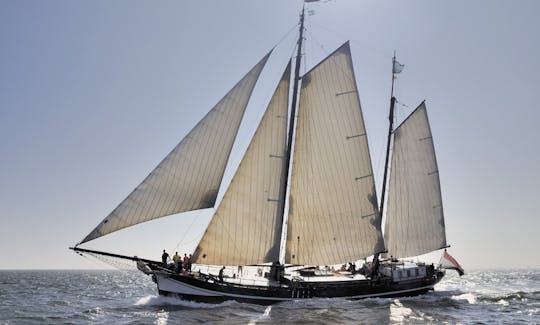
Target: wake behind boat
[(266, 243)]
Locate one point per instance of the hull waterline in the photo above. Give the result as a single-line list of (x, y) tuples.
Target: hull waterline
[(191, 288)]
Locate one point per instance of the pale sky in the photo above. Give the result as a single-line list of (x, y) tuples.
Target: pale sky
[(93, 94)]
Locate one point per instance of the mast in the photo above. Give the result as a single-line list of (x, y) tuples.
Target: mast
[(291, 128), (390, 130)]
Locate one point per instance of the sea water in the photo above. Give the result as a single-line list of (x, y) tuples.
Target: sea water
[(130, 297)]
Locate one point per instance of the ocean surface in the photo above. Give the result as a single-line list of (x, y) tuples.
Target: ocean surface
[(130, 297)]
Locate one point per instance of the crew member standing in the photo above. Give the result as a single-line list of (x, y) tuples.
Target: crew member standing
[(164, 258), (176, 259), (220, 276)]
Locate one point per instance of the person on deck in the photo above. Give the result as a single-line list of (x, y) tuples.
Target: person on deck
[(220, 276), (164, 258), (176, 259), (188, 265), (185, 259)]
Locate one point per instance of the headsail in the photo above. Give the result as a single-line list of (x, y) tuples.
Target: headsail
[(333, 213), (414, 221), (246, 227), (190, 175)]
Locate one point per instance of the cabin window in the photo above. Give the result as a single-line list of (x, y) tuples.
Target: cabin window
[(408, 273)]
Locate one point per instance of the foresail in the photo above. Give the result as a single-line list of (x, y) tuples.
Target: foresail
[(333, 213), (246, 227), (190, 175), (414, 218)]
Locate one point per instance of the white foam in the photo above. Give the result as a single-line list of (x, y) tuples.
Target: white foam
[(398, 312), (503, 302), (471, 299), (153, 300), (265, 315)]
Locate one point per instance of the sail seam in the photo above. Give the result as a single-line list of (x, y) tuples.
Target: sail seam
[(355, 136), (362, 177), (346, 92)]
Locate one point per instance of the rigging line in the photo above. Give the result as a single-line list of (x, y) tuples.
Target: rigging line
[(225, 229), (344, 71), (402, 104), (95, 259), (380, 53), (193, 240), (399, 114), (269, 92), (188, 229), (323, 48), (286, 35)]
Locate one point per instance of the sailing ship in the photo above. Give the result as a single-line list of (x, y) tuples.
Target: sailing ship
[(303, 197)]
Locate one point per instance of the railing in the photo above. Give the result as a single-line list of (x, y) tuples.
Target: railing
[(230, 277)]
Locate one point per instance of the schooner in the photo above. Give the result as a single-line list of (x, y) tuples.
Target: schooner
[(303, 196)]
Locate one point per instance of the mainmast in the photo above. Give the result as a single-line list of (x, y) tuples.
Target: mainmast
[(291, 130), (390, 130)]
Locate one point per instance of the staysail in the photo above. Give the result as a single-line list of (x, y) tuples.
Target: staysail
[(246, 227), (333, 213), (414, 218), (190, 175)]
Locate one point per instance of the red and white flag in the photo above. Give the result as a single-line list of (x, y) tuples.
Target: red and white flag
[(448, 262)]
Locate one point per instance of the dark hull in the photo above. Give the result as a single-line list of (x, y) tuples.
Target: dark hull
[(191, 288)]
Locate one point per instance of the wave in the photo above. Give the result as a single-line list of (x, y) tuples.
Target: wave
[(94, 311), (512, 296), (469, 297)]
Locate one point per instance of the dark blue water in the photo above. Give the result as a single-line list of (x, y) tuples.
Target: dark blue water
[(128, 297)]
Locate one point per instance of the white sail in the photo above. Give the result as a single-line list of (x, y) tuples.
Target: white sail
[(190, 175), (414, 218), (246, 227), (333, 213)]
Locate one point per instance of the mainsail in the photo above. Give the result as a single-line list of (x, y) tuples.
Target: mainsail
[(246, 227), (333, 213), (414, 219), (190, 175)]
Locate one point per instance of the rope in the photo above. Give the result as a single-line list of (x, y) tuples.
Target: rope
[(117, 263)]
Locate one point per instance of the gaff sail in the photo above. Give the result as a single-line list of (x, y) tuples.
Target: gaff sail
[(333, 213), (414, 218)]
